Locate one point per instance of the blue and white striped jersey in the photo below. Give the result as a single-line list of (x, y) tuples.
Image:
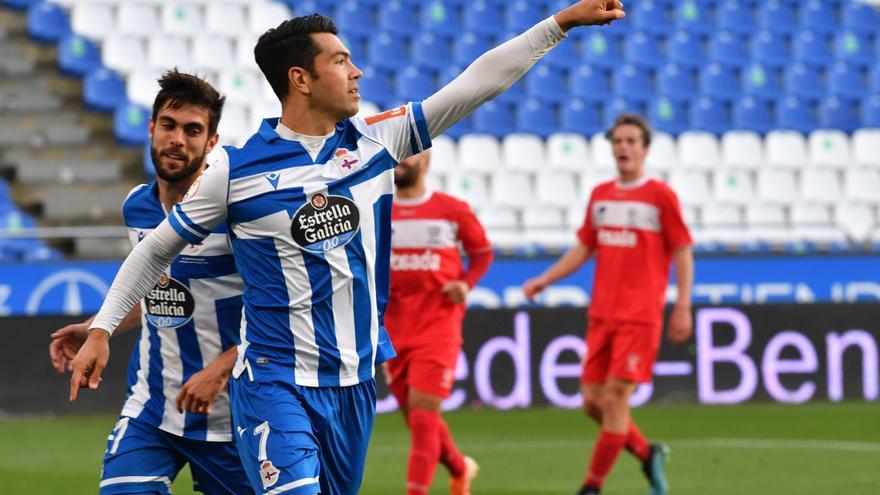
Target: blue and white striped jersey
[(311, 232), (189, 318)]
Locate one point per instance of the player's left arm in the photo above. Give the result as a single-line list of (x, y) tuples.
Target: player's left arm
[(498, 69), (678, 240), (197, 394), (479, 253)]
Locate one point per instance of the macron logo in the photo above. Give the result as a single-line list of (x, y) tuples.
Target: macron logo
[(273, 179)]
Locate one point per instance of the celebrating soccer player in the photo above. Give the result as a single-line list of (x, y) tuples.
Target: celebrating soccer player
[(634, 228), (425, 310), (308, 204), (177, 407)]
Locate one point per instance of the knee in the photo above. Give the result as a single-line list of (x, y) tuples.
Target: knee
[(592, 406)]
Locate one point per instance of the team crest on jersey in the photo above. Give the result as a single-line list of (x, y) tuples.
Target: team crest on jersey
[(346, 161), (268, 473), (193, 189), (169, 303), (325, 223)]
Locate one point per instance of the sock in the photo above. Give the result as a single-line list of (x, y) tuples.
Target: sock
[(424, 427), (637, 443), (608, 447), (449, 454)]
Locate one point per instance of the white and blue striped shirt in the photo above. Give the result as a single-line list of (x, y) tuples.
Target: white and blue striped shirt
[(311, 232), (189, 318)]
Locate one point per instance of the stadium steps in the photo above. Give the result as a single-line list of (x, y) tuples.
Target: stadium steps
[(62, 160)]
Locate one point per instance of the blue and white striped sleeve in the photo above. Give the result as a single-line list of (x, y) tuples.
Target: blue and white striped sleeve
[(204, 205), (403, 131)]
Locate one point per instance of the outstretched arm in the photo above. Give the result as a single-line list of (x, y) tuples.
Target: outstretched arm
[(565, 266), (67, 341), (498, 69)]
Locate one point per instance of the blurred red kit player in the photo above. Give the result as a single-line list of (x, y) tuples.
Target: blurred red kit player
[(425, 309)]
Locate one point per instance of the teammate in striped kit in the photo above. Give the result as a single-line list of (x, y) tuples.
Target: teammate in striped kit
[(425, 311), (308, 204), (177, 407)]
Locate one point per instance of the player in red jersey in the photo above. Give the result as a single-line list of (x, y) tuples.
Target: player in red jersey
[(426, 305), (634, 227)]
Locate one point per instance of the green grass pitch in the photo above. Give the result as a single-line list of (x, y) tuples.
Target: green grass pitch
[(760, 449)]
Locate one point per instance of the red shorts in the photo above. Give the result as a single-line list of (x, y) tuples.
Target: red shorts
[(620, 349), (427, 368)]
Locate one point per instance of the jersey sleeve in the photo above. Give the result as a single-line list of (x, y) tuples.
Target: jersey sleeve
[(675, 232), (204, 205), (587, 233), (403, 131), (475, 243)]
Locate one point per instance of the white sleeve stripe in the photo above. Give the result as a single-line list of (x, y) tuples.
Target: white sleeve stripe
[(136, 479), (184, 225), (292, 485)]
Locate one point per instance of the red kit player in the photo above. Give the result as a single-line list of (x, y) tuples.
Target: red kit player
[(429, 285), (634, 227)]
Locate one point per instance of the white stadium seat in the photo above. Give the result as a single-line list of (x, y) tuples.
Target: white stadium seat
[(691, 186), (777, 186), (820, 185), (367, 109), (166, 51), (862, 185), (855, 220), (511, 189), (804, 214), (812, 222), (556, 189), (734, 185), (766, 223), (602, 157), (590, 180), (142, 87), (93, 20), (239, 85), (697, 149), (866, 147), (742, 149), (226, 18), (568, 151), (786, 149), (244, 51), (182, 18), (546, 227), (523, 152), (829, 148), (470, 188), (722, 223), (499, 218), (662, 155), (137, 18), (479, 152), (212, 52), (263, 15), (234, 128), (260, 110), (123, 53), (444, 154)]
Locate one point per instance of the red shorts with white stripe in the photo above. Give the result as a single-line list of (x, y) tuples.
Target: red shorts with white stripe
[(620, 349), (428, 369)]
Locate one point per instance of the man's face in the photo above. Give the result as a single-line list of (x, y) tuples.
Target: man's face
[(179, 141), (628, 146), (334, 84), (410, 171)]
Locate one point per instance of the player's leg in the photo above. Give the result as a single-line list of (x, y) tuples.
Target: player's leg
[(215, 466), (274, 437), (636, 443), (424, 423), (138, 460), (342, 421)]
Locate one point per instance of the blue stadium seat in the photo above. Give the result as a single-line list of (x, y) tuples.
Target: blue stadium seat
[(837, 113), (668, 116), (601, 50), (590, 84), (78, 56), (770, 49), (812, 48), (693, 16), (761, 82), (521, 15), (710, 115), (515, 94), (493, 118), (874, 79), (48, 22), (562, 57), (147, 159), (20, 4), (387, 52), (448, 74), (651, 17), (719, 81), (468, 47), (728, 49), (796, 114), (375, 86), (483, 17), (581, 117), (777, 17), (845, 81), (736, 17), (103, 90), (546, 84), (804, 81), (5, 197), (752, 114), (685, 50), (860, 16), (633, 82), (462, 127), (853, 47), (356, 18), (618, 106), (870, 110), (431, 50), (130, 123), (676, 82), (440, 17), (414, 84), (536, 117), (398, 18), (819, 16), (643, 49)]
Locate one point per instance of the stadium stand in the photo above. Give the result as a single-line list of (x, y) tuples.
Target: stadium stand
[(767, 117)]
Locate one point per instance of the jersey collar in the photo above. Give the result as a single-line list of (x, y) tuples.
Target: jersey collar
[(415, 201)]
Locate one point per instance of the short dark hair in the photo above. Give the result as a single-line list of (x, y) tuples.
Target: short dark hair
[(179, 88), (631, 119), (290, 45)]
